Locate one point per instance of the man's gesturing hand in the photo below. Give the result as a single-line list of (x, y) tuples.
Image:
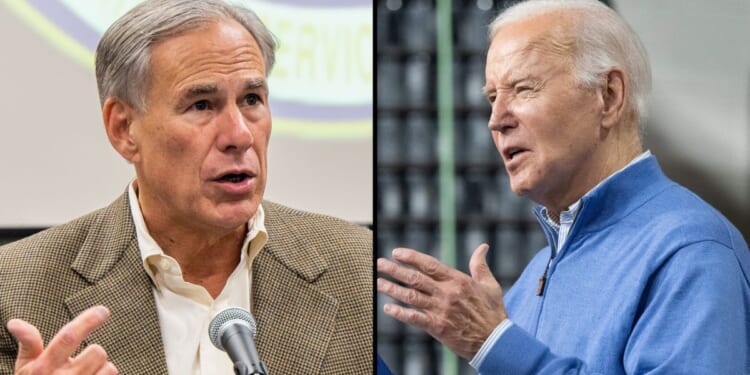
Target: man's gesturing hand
[(33, 358), (458, 310)]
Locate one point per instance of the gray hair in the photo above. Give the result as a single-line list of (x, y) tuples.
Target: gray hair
[(602, 40), (124, 52)]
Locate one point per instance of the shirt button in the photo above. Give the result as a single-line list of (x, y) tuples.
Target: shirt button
[(164, 264)]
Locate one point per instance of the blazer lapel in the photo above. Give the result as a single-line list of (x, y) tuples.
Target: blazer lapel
[(110, 260), (286, 303)]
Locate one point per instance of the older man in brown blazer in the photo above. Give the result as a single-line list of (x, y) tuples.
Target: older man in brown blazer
[(131, 287)]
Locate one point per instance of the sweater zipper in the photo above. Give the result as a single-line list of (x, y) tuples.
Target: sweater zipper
[(553, 242)]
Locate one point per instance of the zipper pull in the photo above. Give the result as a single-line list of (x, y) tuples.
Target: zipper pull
[(543, 279)]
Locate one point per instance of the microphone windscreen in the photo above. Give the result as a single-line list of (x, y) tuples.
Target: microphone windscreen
[(229, 316)]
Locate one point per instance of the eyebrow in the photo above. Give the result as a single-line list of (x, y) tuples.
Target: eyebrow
[(208, 89), (512, 80), (486, 91), (253, 84), (200, 90)]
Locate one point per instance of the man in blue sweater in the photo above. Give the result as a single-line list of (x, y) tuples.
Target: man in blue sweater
[(640, 275)]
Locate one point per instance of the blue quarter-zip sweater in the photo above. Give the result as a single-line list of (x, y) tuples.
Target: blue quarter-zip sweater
[(652, 280)]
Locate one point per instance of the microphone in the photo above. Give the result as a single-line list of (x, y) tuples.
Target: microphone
[(232, 331)]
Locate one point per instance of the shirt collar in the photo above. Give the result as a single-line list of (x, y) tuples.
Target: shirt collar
[(255, 238)]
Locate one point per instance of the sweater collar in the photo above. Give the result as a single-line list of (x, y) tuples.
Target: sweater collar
[(619, 195), (616, 196)]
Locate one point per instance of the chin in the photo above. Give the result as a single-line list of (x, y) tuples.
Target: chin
[(518, 187), (233, 217), (230, 224)]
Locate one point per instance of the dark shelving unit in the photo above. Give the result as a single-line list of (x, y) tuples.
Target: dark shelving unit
[(408, 212)]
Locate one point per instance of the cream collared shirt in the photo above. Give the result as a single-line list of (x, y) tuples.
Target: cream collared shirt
[(185, 309)]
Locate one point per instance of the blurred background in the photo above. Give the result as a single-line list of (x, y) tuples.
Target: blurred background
[(57, 163), (441, 186)]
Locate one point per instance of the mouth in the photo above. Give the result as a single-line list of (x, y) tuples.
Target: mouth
[(234, 177), (512, 152), (236, 183)]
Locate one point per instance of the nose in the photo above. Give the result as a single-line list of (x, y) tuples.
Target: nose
[(234, 134), (501, 119)]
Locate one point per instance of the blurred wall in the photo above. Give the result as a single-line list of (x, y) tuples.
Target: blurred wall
[(699, 123), (56, 162)]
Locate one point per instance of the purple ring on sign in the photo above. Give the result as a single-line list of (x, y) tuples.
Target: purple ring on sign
[(333, 113), (66, 20)]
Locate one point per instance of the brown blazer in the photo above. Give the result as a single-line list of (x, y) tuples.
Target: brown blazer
[(311, 292)]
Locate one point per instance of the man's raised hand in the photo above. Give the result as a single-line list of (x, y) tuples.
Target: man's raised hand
[(34, 359)]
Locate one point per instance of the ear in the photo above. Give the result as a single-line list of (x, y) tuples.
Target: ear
[(614, 98), (118, 119)]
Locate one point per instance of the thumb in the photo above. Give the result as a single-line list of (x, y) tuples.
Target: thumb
[(30, 344), (478, 267)]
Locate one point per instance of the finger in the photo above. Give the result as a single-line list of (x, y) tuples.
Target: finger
[(406, 295), (408, 276), (408, 316), (30, 344), (478, 267), (90, 360), (69, 338), (108, 369), (425, 263)]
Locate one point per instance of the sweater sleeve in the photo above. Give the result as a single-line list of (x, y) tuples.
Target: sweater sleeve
[(693, 319), (518, 353)]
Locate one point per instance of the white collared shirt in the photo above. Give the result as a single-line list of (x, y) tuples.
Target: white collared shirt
[(186, 309)]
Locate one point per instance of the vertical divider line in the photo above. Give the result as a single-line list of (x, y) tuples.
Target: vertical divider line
[(446, 164)]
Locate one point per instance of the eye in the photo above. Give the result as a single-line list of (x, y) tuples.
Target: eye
[(491, 98), (252, 99), (522, 88), (200, 105)]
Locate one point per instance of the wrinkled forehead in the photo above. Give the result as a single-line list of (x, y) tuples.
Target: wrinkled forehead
[(219, 37), (220, 48)]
